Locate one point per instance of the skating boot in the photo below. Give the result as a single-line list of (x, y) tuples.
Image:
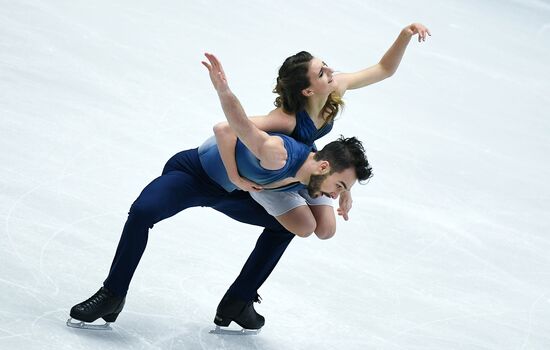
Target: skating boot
[(102, 304), (239, 311)]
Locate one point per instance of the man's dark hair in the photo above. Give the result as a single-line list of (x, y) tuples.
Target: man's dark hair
[(346, 153)]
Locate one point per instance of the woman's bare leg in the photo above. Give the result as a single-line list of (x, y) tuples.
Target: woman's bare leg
[(299, 221), (325, 219), (304, 220)]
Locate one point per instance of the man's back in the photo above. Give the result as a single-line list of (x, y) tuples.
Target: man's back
[(249, 166)]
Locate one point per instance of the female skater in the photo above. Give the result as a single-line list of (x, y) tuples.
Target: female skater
[(309, 98)]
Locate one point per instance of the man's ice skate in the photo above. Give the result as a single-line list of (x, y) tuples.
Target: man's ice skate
[(228, 331), (240, 312), (81, 324), (102, 304)]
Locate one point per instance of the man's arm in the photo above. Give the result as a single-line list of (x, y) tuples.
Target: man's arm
[(268, 149)]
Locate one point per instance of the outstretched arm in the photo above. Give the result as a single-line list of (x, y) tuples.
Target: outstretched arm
[(387, 65), (268, 149)]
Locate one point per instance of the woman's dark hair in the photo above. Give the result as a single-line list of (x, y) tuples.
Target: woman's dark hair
[(293, 79), (346, 153)]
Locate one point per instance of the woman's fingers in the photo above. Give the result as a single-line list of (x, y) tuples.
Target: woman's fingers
[(215, 66), (206, 65), (214, 61)]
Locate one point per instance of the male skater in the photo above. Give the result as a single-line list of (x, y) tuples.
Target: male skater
[(197, 177)]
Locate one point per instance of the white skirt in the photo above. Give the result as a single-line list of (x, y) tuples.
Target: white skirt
[(278, 203)]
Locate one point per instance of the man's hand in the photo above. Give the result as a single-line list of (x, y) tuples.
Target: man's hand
[(417, 28), (345, 204), (217, 75)]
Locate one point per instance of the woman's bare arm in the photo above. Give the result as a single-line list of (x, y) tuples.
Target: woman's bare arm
[(388, 64)]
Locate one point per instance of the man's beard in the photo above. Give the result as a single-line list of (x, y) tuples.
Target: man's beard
[(314, 186)]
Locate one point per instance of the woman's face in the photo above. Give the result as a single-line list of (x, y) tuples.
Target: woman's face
[(320, 78)]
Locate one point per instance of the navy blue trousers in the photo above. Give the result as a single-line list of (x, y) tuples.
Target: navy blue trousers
[(184, 184)]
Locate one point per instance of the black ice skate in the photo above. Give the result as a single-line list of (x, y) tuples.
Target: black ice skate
[(102, 304), (240, 312)]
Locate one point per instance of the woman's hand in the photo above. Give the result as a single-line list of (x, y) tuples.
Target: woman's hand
[(417, 28), (345, 204), (217, 75), (246, 185)]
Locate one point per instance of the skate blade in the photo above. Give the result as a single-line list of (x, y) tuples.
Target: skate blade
[(84, 325), (225, 331)]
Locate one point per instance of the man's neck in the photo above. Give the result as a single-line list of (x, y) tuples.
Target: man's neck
[(304, 173)]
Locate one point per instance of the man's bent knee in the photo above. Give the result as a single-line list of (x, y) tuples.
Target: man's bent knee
[(143, 212)]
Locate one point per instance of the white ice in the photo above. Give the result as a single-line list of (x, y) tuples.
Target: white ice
[(447, 247)]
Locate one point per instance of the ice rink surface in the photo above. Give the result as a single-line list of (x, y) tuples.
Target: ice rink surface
[(447, 247)]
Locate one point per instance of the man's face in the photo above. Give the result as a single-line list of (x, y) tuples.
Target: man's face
[(331, 185)]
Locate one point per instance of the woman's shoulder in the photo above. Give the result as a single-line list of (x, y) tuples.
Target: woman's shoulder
[(284, 118), (280, 113)]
